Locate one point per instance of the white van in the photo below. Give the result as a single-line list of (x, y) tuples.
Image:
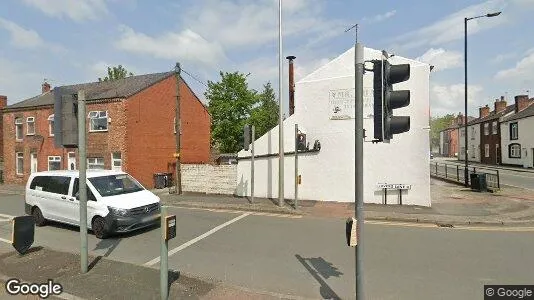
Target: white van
[(116, 202)]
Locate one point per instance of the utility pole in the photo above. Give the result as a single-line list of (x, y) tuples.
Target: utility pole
[(280, 119), (82, 181), (178, 129), (358, 98)]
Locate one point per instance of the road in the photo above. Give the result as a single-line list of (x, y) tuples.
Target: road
[(306, 258), (507, 177)]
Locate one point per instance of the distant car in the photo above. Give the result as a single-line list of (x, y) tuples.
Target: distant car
[(431, 155)]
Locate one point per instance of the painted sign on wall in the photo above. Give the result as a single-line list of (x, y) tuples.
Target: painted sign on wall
[(342, 104)]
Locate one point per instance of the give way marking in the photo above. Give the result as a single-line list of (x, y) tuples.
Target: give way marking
[(198, 238)]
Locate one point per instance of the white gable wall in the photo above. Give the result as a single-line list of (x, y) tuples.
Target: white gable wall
[(329, 174)]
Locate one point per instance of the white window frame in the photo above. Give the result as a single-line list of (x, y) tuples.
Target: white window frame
[(19, 122), (495, 126), (19, 155), (93, 161), (113, 160), (28, 121), (486, 150), (516, 147), (51, 125), (486, 128), (95, 115), (54, 159)]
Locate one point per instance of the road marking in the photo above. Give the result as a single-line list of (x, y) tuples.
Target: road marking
[(233, 211), (5, 241), (6, 216), (457, 227), (197, 239)]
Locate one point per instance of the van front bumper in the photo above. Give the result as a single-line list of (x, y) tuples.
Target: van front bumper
[(120, 224)]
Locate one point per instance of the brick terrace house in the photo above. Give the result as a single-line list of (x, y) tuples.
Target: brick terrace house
[(3, 103), (490, 133), (449, 137), (130, 126)]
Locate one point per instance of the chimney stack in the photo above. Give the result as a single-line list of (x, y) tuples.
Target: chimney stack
[(291, 86), (3, 103), (484, 111), (45, 87), (521, 102), (500, 105)]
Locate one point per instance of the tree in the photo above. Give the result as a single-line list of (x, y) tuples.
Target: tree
[(116, 73), (265, 115), (230, 105), (438, 124)]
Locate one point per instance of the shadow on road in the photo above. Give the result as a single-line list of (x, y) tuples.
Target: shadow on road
[(319, 269)]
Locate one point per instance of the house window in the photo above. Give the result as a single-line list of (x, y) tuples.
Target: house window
[(514, 131), (54, 163), (514, 150), (486, 128), (95, 163), (18, 129), (51, 125), (473, 155), (473, 132), (495, 127), (19, 163), (486, 150), (30, 126), (116, 161), (98, 121)]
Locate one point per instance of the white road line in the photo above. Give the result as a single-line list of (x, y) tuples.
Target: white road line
[(5, 241), (6, 216), (198, 238)]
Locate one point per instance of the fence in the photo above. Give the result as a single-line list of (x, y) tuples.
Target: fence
[(456, 172)]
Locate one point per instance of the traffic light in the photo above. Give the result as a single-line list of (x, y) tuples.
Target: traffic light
[(386, 99), (65, 117)]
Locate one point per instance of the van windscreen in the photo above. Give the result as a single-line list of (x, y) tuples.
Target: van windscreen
[(113, 185)]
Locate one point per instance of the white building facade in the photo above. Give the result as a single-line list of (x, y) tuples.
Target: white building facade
[(324, 111), (473, 142), (517, 139)]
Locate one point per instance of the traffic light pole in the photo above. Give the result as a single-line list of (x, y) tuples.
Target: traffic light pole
[(358, 89)]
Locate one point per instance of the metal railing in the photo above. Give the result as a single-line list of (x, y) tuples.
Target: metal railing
[(456, 172)]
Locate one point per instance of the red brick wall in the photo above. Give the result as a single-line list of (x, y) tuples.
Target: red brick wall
[(3, 103), (99, 144), (150, 135)]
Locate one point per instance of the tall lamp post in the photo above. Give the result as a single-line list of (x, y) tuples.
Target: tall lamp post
[(466, 171)]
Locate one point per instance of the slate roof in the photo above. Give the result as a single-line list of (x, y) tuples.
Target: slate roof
[(527, 112), (121, 88), (493, 115)]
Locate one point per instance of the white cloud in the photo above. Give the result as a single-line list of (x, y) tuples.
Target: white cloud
[(26, 38), (451, 27), (79, 10), (380, 17), (446, 99), (441, 59), (503, 57), (18, 81), (523, 70), (186, 45)]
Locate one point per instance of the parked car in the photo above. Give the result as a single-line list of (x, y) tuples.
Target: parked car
[(116, 202)]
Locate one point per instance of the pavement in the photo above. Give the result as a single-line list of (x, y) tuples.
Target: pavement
[(451, 205), (109, 279), (477, 164)]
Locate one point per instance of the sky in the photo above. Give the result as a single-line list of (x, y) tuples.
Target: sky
[(67, 42)]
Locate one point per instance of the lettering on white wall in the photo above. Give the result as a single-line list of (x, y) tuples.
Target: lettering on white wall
[(342, 104)]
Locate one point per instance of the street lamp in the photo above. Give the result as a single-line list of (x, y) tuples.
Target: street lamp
[(466, 171)]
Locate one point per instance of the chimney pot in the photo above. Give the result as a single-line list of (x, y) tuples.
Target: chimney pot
[(521, 102)]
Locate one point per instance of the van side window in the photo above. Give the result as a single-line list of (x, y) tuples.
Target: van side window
[(76, 189), (58, 185), (39, 183)]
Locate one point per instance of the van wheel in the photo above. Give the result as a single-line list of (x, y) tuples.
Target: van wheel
[(98, 225), (38, 217)]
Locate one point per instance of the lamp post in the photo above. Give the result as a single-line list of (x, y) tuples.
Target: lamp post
[(466, 171)]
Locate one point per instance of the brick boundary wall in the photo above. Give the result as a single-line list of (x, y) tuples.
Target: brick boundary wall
[(209, 179)]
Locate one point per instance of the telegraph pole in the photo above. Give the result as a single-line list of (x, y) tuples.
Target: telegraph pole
[(82, 181), (178, 129)]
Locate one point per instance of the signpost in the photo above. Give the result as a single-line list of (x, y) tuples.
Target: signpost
[(168, 231)]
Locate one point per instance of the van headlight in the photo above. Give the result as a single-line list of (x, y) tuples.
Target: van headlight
[(118, 211)]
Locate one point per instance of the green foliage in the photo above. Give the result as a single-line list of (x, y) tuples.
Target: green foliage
[(115, 73), (438, 124), (232, 105)]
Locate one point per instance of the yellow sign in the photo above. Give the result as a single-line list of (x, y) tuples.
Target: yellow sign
[(176, 155)]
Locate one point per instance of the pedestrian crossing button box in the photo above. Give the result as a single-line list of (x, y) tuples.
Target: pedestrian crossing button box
[(170, 227)]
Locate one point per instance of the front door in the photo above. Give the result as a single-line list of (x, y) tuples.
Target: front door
[(71, 161), (33, 162)]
